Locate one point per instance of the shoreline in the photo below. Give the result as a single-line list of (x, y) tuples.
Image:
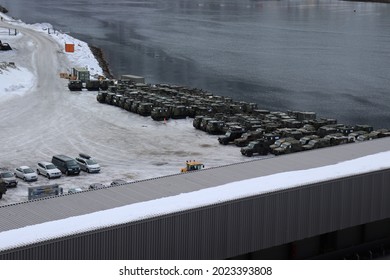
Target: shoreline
[(99, 56), (96, 51), (3, 10)]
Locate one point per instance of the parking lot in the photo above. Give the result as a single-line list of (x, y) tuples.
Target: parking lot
[(48, 119)]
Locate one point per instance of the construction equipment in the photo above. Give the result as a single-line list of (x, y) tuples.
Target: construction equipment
[(5, 46), (192, 165), (75, 85)]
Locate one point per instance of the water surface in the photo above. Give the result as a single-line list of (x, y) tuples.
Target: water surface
[(327, 56)]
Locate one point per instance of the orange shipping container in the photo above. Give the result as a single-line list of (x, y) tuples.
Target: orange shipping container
[(69, 47)]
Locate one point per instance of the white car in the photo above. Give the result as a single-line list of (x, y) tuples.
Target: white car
[(88, 164), (48, 169), (26, 173)]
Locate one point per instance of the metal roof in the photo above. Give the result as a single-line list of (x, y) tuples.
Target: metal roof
[(55, 208)]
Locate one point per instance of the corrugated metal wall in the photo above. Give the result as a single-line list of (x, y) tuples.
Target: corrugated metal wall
[(234, 228)]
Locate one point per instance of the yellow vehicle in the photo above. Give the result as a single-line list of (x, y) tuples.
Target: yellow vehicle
[(192, 165)]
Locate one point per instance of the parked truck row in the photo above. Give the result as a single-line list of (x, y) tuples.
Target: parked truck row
[(256, 131)]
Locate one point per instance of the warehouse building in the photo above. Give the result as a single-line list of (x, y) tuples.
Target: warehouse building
[(325, 203)]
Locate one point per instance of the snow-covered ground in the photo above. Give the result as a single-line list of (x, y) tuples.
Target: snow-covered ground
[(40, 117)]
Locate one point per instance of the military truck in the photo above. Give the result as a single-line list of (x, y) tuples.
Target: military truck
[(215, 127), (101, 96), (279, 143), (287, 147), (197, 121), (179, 112), (248, 137), (203, 123), (306, 139), (128, 103), (115, 99), (326, 130), (122, 101), (233, 133), (160, 113), (109, 98), (338, 138), (92, 85), (104, 84), (75, 85), (145, 109), (316, 144), (260, 147), (134, 106)]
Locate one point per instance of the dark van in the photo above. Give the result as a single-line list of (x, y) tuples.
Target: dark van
[(66, 164)]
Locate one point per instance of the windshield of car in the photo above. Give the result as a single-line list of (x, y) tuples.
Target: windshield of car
[(312, 142), (7, 175), (278, 142), (251, 145), (285, 145), (28, 170), (50, 166), (90, 161), (72, 163)]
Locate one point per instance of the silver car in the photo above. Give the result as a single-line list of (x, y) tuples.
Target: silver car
[(88, 164), (8, 178), (26, 173), (48, 169)]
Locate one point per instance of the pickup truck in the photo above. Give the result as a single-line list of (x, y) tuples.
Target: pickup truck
[(248, 137), (231, 135), (260, 147), (288, 147)]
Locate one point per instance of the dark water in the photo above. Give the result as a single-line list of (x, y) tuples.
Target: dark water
[(327, 56)]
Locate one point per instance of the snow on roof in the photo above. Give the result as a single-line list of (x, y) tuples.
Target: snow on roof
[(185, 201)]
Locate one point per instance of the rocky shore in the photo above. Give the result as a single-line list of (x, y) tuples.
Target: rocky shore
[(98, 53), (3, 10)]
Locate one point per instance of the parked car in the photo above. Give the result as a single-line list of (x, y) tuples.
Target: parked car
[(8, 179), (118, 182), (87, 164), (48, 169), (26, 173), (96, 186), (75, 190), (66, 164)]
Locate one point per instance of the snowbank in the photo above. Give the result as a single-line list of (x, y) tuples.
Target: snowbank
[(14, 80)]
